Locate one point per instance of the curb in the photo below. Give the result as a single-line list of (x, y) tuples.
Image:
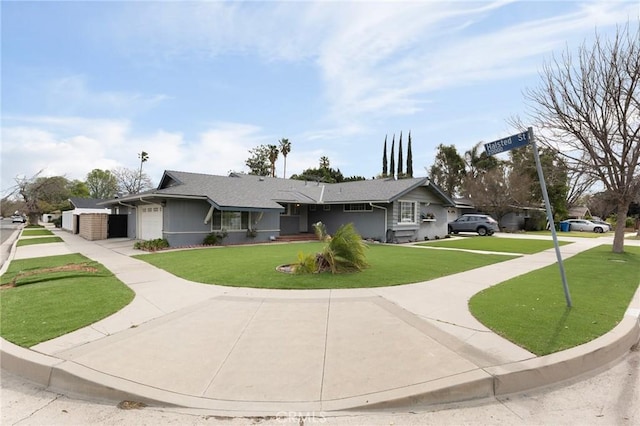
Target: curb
[(78, 381)]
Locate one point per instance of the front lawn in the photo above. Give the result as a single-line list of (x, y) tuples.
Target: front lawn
[(530, 310), (496, 244), (255, 266), (56, 295), (38, 240)]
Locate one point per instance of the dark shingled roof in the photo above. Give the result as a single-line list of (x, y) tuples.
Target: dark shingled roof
[(86, 203), (241, 191)]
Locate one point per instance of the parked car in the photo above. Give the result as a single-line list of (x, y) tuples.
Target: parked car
[(605, 225), (17, 218), (586, 225), (481, 223)]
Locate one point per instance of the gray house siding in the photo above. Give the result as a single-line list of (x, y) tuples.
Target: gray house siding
[(183, 222), (370, 224)]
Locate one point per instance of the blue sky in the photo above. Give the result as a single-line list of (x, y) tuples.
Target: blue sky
[(196, 85)]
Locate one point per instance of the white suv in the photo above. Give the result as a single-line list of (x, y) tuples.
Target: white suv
[(17, 218)]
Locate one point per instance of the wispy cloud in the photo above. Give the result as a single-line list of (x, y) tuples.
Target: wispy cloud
[(375, 58)]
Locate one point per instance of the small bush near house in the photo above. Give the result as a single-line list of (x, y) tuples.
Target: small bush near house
[(152, 245), (215, 238)]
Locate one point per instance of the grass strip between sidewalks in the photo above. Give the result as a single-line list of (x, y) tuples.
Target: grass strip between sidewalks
[(29, 232), (530, 310), (255, 266), (38, 240), (56, 295)]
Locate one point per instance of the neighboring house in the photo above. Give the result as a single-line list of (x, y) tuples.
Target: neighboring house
[(522, 218), (71, 218), (580, 212), (186, 207)]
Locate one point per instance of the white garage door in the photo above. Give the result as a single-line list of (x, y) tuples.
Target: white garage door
[(150, 222)]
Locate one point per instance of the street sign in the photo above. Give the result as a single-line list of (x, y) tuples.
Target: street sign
[(506, 144)]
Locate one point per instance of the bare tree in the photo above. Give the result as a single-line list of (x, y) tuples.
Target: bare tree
[(588, 108), (131, 181)]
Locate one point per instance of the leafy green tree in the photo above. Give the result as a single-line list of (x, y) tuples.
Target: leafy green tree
[(477, 161), (43, 194), (285, 149), (101, 184), (258, 163), (555, 171), (78, 188), (448, 169)]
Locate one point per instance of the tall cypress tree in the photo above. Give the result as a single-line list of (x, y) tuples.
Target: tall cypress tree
[(400, 165), (392, 171), (409, 158), (384, 158)]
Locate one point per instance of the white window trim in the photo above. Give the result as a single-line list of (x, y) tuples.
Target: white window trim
[(415, 212), (367, 208)]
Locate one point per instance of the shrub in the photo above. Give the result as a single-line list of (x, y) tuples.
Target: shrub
[(215, 238), (344, 252), (306, 264), (151, 245)]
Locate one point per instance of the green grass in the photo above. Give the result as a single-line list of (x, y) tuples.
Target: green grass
[(42, 240), (254, 266), (530, 310), (509, 245), (30, 232), (49, 303)]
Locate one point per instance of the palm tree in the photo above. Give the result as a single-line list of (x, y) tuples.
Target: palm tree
[(285, 149), (273, 156), (324, 162), (344, 252)]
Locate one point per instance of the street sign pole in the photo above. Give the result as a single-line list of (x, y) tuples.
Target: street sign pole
[(543, 185)]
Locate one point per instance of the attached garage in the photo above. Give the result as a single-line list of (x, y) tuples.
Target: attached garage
[(150, 222)]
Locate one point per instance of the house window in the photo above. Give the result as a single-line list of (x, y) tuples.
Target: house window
[(230, 220), (408, 212), (358, 207), (312, 207), (326, 207), (291, 210)]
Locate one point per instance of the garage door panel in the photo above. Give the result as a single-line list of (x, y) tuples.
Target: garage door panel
[(150, 222)]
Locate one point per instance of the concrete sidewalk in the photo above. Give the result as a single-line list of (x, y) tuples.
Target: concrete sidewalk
[(254, 351)]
